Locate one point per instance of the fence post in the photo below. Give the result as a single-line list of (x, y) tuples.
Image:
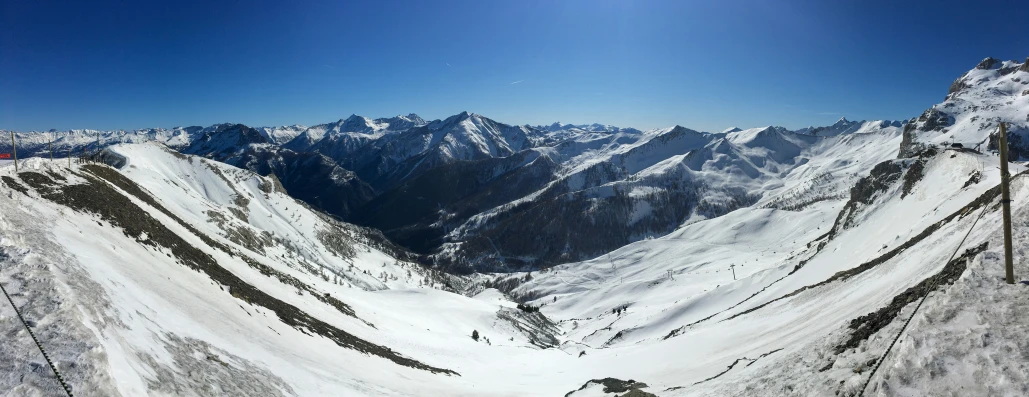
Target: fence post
[(1005, 199), (15, 150)]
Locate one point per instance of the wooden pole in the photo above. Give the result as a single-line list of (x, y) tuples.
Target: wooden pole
[(15, 150), (1005, 199), (51, 148)]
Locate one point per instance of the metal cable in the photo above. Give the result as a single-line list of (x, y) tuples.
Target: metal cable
[(920, 302), (60, 378)]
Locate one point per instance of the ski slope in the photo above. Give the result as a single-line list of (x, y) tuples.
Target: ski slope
[(145, 322), (697, 316), (170, 274)]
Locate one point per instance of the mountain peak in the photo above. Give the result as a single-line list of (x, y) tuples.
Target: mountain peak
[(355, 119), (356, 122), (842, 122), (466, 115), (987, 63), (679, 130), (401, 122), (453, 120)]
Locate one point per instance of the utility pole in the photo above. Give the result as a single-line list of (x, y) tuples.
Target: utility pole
[(15, 150), (733, 268), (1005, 199), (51, 147)]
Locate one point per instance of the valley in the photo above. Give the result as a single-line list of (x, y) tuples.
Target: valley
[(467, 257)]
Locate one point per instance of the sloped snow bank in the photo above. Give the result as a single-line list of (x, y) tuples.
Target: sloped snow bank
[(971, 339)]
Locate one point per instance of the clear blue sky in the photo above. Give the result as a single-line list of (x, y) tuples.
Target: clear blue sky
[(706, 65)]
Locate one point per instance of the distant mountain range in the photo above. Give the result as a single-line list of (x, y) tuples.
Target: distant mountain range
[(761, 261), (471, 193)]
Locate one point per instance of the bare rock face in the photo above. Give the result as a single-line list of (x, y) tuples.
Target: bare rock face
[(1025, 65), (931, 120), (957, 86), (934, 120), (987, 63)]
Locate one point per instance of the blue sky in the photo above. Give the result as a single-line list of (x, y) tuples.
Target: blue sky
[(706, 65)]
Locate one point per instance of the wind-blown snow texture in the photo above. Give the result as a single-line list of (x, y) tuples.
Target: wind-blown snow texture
[(176, 275)]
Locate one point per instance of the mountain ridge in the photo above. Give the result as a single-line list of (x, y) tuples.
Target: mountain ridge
[(643, 183), (778, 263)]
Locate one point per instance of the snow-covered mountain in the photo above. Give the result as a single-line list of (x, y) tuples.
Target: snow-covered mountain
[(790, 261), (803, 301), (340, 139), (463, 137), (76, 142), (442, 188), (468, 191), (283, 134), (558, 132), (995, 91), (627, 192), (844, 126)]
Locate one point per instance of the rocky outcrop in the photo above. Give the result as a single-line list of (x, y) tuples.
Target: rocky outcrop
[(630, 387), (934, 120), (1017, 148), (863, 327), (908, 146), (930, 120), (957, 86), (987, 63)]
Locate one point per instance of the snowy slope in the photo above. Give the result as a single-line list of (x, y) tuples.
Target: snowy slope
[(158, 323), (158, 320), (682, 302), (142, 321), (283, 134), (33, 143), (651, 184), (558, 132), (343, 137), (466, 136), (995, 91), (844, 126), (357, 166), (177, 275)]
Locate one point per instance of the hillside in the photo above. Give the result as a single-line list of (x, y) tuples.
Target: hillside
[(756, 261), (112, 287), (463, 191)]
